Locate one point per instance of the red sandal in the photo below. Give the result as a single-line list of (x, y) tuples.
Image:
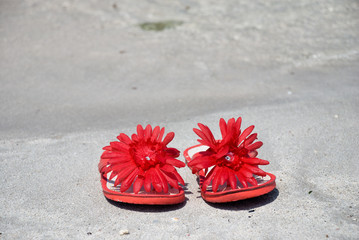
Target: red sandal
[(228, 168), (141, 169)]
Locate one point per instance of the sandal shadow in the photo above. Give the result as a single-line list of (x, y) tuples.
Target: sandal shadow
[(248, 204), (147, 208)]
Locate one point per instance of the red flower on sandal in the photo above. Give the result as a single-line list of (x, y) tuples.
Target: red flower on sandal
[(233, 157), (144, 160)]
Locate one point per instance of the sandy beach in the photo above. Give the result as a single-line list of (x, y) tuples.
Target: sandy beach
[(75, 74)]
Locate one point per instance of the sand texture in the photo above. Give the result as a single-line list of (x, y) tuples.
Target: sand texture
[(74, 74)]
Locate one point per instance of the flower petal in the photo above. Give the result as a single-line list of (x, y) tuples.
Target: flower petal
[(252, 181), (231, 124), (224, 176), (163, 179), (162, 132), (148, 132), (242, 179), (232, 180), (237, 130), (201, 135), (216, 179), (172, 152), (155, 133), (123, 174), (140, 132), (246, 173), (107, 148), (118, 160), (122, 165), (107, 155), (175, 162), (223, 151), (205, 129), (245, 133), (179, 178), (148, 181), (223, 127), (205, 133), (254, 146), (255, 161), (126, 184), (168, 168), (103, 163), (238, 123), (250, 139), (209, 178), (117, 181), (113, 174), (255, 170), (138, 184), (171, 178), (124, 138), (200, 162), (120, 146), (134, 138), (203, 142), (117, 167), (169, 137), (253, 154), (230, 132), (156, 181)]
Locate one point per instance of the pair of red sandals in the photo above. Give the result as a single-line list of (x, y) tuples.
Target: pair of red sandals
[(142, 169)]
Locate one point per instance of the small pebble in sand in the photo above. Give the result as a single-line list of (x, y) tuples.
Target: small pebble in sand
[(124, 232), (289, 92), (336, 116), (175, 219)]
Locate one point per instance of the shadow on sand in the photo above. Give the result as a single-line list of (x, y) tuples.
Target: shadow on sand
[(248, 204), (147, 208)]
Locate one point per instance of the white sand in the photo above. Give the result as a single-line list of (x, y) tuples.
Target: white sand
[(75, 74)]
